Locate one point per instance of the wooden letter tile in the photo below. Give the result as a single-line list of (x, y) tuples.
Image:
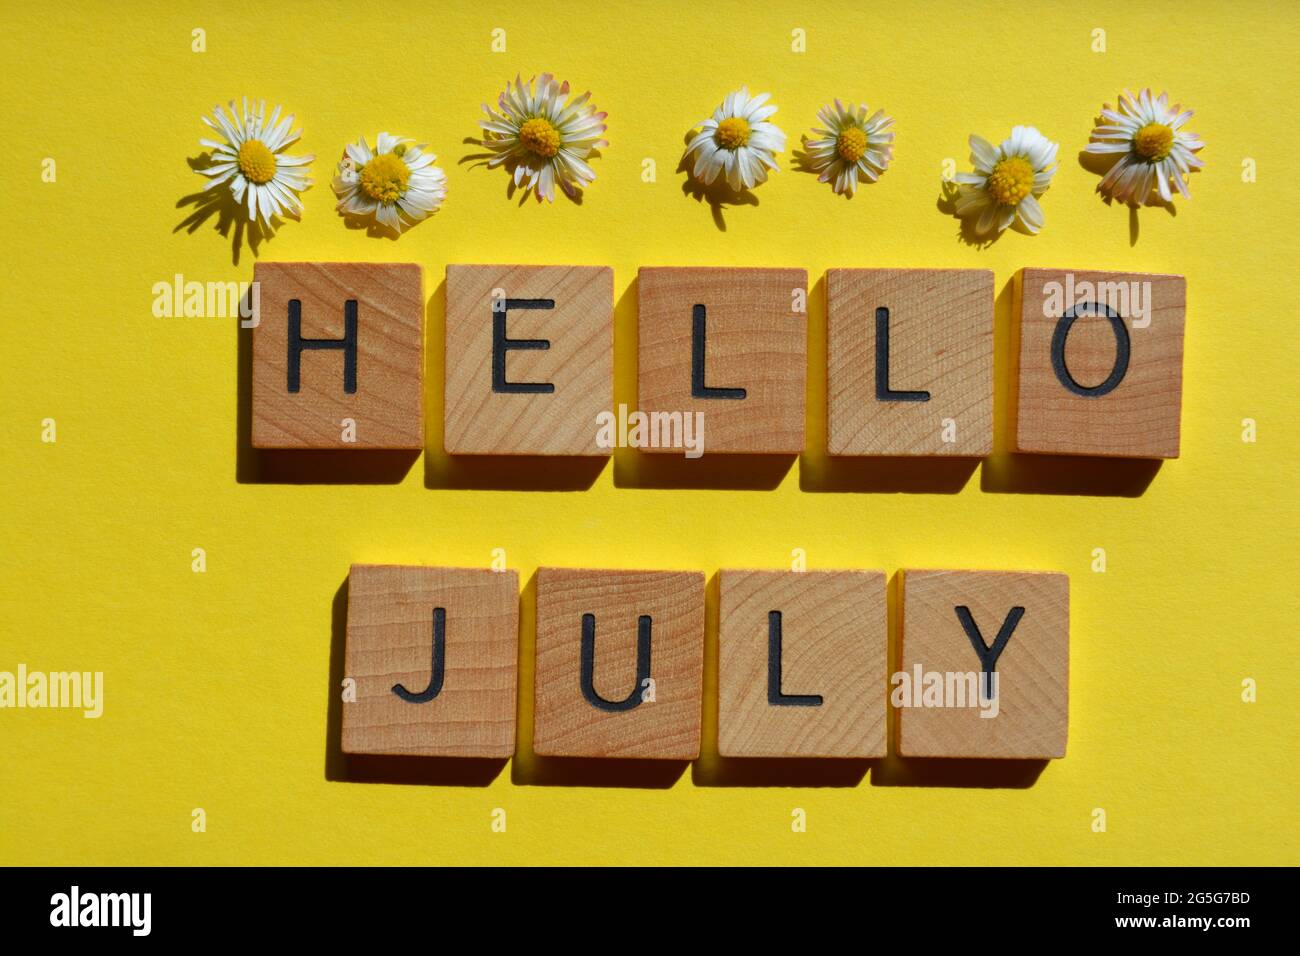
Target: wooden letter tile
[(730, 343), (941, 691), (530, 359), (909, 362), (802, 661), (620, 658), (338, 356), (434, 653), (1100, 363)]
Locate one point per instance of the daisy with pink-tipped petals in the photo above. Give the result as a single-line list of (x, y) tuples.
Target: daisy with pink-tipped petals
[(542, 138), (1155, 155), (851, 144)]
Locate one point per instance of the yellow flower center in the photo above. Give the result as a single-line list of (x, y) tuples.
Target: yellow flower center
[(1012, 180), (733, 132), (851, 144), (540, 136), (256, 162), (1154, 141), (384, 178)]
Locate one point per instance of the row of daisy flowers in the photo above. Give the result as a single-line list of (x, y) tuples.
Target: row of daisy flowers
[(544, 138)]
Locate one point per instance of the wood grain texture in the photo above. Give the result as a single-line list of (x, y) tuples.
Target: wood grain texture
[(388, 404), (940, 341), (579, 361), (390, 641), (834, 644), (754, 339), (1140, 418), (565, 723), (1032, 672)]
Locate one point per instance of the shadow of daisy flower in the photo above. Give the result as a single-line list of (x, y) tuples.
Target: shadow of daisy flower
[(231, 215), (372, 229), (966, 228), (719, 195), (802, 162), (474, 160), (1101, 165)]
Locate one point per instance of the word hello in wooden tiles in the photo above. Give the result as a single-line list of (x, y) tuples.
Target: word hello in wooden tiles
[(338, 359), (431, 663)]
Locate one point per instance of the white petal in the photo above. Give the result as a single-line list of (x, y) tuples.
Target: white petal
[(387, 215), (983, 152), (1031, 214), (359, 152), (1107, 148), (985, 224)]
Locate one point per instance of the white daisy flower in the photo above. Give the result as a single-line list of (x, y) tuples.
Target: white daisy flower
[(1007, 181), (850, 144), (542, 138), (1154, 151), (737, 140), (252, 161), (396, 185)]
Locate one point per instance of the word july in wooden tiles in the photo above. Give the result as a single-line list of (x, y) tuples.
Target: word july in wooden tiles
[(722, 357), (431, 663)]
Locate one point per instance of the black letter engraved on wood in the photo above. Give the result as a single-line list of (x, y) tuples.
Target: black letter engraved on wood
[(883, 392), (348, 344), (774, 695), (501, 344), (988, 655), (439, 663), (1122, 349), (699, 321), (588, 678)]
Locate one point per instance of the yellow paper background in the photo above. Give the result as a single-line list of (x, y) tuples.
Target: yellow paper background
[(216, 683)]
